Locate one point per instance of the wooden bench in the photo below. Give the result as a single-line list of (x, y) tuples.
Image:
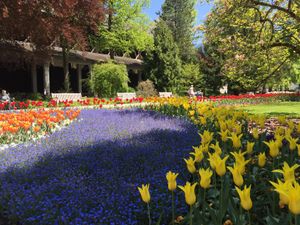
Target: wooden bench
[(165, 94), (126, 95), (66, 96)]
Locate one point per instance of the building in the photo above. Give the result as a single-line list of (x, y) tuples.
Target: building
[(23, 69)]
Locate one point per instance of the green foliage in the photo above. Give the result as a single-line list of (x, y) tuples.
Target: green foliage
[(251, 59), (108, 79), (191, 75), (180, 17), (163, 64), (126, 30), (146, 89)]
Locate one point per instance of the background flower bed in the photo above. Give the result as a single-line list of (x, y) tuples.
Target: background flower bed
[(88, 172)]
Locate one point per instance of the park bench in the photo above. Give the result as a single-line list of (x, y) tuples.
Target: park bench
[(126, 95), (165, 94), (66, 96)]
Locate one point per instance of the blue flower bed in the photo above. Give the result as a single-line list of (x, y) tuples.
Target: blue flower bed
[(88, 173)]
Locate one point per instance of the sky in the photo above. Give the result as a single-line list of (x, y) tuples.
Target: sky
[(155, 6), (202, 10)]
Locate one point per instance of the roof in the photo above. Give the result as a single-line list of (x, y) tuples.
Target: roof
[(75, 55)]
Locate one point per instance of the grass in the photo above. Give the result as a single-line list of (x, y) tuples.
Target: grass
[(290, 109)]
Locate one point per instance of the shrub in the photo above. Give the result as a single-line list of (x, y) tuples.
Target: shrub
[(146, 89), (108, 79)]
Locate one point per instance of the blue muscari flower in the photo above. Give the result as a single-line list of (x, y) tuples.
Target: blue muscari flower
[(88, 172)]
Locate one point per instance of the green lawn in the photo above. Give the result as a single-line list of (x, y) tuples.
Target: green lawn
[(291, 109)]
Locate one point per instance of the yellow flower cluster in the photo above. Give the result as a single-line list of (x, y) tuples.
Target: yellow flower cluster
[(234, 144)]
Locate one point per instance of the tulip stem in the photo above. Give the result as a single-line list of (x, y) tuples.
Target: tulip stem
[(191, 215), (296, 219), (149, 215), (249, 216), (221, 200), (173, 208)]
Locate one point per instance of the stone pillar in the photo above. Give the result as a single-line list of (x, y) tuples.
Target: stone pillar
[(47, 78), (79, 77), (139, 76), (34, 76)]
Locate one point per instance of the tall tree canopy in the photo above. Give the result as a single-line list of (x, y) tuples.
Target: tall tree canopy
[(126, 29), (180, 17), (164, 64), (44, 22), (248, 38)]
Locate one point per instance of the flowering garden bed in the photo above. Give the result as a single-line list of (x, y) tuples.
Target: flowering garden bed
[(88, 173)]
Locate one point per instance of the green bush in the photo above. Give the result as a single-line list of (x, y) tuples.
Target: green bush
[(108, 79), (146, 89)]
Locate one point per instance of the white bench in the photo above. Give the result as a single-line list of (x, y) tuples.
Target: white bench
[(66, 96), (126, 95), (165, 94)]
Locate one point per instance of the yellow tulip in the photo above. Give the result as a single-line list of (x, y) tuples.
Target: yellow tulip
[(190, 163), (291, 124), (206, 137), (216, 147), (198, 154), (213, 159), (282, 188), (192, 112), (282, 119), (222, 125), (294, 198), (221, 166), (292, 193), (250, 146), (238, 156), (171, 178), (205, 177), (245, 198), (279, 131), (224, 134), (236, 140), (202, 120), (145, 194), (279, 138), (288, 172), (273, 147), (237, 176), (262, 159), (292, 142), (189, 193), (298, 147), (255, 133), (288, 133), (237, 128)]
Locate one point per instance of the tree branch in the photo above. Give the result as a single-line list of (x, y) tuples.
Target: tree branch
[(287, 11), (294, 48)]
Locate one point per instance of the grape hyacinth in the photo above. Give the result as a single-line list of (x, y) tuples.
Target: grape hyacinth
[(88, 172)]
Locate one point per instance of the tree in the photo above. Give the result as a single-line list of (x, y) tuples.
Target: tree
[(163, 64), (180, 16), (108, 79), (50, 22), (125, 30), (248, 61)]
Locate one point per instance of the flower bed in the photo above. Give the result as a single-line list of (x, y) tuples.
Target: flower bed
[(238, 167), (29, 104), (87, 173), (24, 126)]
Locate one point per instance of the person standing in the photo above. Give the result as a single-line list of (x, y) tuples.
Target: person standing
[(191, 91)]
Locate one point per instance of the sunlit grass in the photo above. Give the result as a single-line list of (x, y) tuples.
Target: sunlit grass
[(290, 109)]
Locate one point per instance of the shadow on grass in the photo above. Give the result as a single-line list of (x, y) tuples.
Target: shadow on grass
[(97, 184)]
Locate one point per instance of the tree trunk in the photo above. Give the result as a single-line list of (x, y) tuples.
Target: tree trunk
[(109, 24)]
